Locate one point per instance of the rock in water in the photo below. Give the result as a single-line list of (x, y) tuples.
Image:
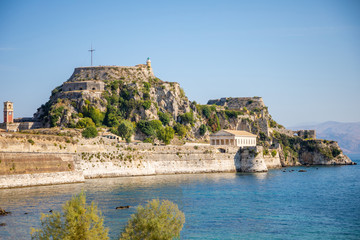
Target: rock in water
[(123, 207), (3, 212)]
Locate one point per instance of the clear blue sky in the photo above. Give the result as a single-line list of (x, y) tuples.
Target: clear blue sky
[(302, 57)]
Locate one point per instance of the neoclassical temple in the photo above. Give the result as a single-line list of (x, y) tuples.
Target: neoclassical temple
[(233, 138)]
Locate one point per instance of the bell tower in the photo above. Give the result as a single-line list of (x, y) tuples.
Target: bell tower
[(8, 112)]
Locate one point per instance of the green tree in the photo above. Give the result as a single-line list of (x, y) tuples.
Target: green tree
[(164, 118), (202, 129), (90, 132), (85, 122), (145, 127), (157, 220), (156, 125), (96, 116), (112, 120), (78, 221), (187, 118), (180, 130), (146, 104), (126, 130), (166, 134)]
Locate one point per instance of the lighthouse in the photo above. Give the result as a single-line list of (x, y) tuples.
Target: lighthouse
[(148, 63)]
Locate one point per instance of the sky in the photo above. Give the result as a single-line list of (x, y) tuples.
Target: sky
[(301, 57)]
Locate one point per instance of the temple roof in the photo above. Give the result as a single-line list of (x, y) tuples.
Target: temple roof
[(225, 132)]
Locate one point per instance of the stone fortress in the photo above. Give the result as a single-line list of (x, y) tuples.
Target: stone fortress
[(87, 78), (238, 103), (252, 103)]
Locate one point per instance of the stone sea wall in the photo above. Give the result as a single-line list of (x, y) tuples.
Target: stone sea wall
[(36, 179), (145, 159), (56, 160), (38, 160)]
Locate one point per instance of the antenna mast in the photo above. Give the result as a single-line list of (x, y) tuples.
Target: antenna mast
[(91, 50)]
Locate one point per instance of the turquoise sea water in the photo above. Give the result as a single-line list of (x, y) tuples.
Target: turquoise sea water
[(322, 203)]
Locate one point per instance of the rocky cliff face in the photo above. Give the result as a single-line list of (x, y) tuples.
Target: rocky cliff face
[(132, 93), (108, 94)]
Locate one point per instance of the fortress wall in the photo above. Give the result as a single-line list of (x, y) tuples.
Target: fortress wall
[(27, 180), (24, 169), (12, 163), (43, 161), (83, 85), (112, 73), (159, 162), (301, 133), (239, 103)]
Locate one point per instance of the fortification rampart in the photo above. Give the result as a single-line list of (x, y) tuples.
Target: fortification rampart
[(97, 86), (239, 103), (27, 162), (20, 126), (300, 133), (110, 73)]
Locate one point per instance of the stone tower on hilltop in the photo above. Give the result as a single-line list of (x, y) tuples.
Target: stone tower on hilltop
[(8, 112)]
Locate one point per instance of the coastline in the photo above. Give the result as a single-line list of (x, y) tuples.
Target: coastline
[(47, 160)]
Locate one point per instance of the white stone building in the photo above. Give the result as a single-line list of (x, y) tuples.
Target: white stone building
[(233, 138)]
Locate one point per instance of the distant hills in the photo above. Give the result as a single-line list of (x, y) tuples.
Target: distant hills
[(346, 134)]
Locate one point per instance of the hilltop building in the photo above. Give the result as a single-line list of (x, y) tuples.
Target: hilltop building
[(96, 86), (233, 138), (88, 78)]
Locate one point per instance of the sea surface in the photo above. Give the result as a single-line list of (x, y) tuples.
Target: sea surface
[(321, 203)]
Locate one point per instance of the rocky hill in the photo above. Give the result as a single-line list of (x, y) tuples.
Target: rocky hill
[(346, 134), (108, 96)]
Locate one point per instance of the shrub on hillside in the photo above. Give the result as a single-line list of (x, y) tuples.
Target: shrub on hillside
[(202, 129), (85, 122), (126, 130), (187, 118), (273, 153), (180, 130), (55, 114), (90, 132), (149, 128), (164, 118), (166, 134), (146, 104)]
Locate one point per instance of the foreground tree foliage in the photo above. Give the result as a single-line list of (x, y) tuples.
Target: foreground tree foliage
[(157, 220), (78, 221)]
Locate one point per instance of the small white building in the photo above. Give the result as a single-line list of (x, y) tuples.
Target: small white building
[(233, 138)]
